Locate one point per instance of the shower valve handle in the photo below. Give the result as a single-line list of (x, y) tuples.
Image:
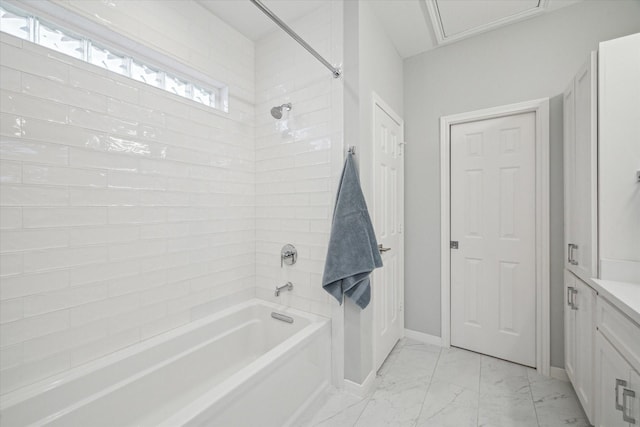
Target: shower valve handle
[(288, 254)]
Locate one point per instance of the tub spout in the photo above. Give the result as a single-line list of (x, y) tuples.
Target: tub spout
[(286, 287)]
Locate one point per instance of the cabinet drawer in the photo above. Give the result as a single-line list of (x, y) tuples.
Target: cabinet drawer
[(620, 330)]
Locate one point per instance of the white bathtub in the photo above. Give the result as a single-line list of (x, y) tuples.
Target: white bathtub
[(239, 367)]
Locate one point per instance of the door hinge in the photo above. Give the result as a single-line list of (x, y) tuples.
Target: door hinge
[(454, 244)]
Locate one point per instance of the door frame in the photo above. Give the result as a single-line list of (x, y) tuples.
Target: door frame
[(541, 109), (377, 101)]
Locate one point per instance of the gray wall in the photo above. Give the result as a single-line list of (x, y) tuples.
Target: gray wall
[(380, 71), (371, 65), (532, 59)]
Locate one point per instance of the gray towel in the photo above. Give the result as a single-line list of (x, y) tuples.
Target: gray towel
[(353, 250)]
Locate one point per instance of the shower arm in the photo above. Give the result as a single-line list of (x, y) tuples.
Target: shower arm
[(334, 70)]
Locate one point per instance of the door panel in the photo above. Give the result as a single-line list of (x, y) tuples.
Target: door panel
[(584, 332), (584, 169), (633, 401), (569, 172), (493, 219), (388, 202), (610, 366), (569, 327)]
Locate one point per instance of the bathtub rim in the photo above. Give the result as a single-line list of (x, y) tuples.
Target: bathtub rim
[(22, 394)]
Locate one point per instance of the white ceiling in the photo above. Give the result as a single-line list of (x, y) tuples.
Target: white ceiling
[(414, 26), (250, 21), (460, 16)]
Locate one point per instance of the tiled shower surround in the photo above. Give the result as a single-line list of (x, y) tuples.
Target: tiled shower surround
[(298, 158), (127, 211)]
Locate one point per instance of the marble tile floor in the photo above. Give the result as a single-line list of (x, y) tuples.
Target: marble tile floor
[(420, 385)]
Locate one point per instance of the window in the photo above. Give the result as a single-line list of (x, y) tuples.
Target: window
[(34, 29), (14, 24), (55, 39), (144, 74), (103, 57)]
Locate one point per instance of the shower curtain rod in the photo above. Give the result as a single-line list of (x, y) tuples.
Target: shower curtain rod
[(334, 70)]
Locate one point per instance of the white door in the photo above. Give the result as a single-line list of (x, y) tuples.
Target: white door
[(388, 214), (493, 293)]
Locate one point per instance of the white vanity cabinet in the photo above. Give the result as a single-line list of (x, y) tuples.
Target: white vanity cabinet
[(602, 162), (580, 170), (602, 233), (617, 363), (580, 300)]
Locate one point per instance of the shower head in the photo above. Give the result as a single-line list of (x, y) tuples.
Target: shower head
[(276, 112)]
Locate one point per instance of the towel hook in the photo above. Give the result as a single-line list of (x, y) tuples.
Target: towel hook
[(352, 150)]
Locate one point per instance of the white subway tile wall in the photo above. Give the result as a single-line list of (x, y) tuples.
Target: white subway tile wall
[(298, 158), (125, 211), (31, 27)]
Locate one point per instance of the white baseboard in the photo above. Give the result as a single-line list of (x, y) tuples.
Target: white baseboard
[(558, 373), (360, 390), (422, 337)]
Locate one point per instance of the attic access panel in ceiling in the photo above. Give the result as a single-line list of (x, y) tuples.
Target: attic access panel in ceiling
[(456, 19)]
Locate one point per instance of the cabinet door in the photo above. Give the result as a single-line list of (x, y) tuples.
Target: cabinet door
[(584, 303), (632, 401), (569, 326), (610, 369), (569, 145), (584, 196)]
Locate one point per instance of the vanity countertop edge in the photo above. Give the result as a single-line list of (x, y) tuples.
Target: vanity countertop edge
[(623, 295)]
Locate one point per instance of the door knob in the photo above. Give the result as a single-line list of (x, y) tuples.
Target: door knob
[(383, 249)]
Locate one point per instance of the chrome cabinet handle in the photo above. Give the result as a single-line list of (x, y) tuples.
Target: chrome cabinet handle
[(383, 249), (571, 301), (619, 383), (571, 247), (627, 417)]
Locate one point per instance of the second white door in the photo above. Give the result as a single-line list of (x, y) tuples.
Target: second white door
[(493, 283), (388, 202)]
